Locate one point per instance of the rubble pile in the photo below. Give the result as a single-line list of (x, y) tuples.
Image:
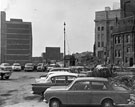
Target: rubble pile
[(127, 81)]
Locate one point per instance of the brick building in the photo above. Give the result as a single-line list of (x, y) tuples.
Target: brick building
[(15, 40), (104, 24)]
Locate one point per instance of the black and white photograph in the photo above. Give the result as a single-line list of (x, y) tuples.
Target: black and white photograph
[(67, 53)]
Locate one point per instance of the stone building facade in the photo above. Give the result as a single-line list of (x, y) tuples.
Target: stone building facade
[(104, 24), (124, 42), (15, 40), (127, 8), (123, 37)]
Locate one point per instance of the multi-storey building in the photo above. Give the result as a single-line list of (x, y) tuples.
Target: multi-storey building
[(123, 50), (104, 24), (53, 54), (15, 40)]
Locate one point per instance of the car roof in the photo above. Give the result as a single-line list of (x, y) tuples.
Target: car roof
[(91, 79), (62, 74), (59, 68)]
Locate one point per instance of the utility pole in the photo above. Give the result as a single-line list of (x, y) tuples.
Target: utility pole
[(64, 44)]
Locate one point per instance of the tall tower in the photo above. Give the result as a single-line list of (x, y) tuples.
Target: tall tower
[(64, 43)]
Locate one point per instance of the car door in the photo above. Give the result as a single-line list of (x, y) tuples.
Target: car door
[(78, 94), (99, 91)]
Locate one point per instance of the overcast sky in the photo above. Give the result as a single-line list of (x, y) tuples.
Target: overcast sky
[(48, 17)]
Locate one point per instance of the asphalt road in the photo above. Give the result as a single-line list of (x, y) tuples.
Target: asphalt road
[(15, 92)]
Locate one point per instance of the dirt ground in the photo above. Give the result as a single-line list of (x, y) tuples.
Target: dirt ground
[(16, 92)]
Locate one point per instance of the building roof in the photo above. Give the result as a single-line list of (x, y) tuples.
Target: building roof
[(124, 25)]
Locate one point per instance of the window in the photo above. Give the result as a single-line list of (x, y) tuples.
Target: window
[(102, 28), (81, 85), (116, 40), (98, 86), (58, 79), (119, 53), (98, 28), (98, 44), (119, 39), (127, 38), (128, 49), (98, 36), (111, 27), (115, 53), (102, 44), (126, 59), (102, 36)]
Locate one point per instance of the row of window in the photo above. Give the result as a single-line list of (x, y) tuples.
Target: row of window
[(118, 52), (118, 39), (24, 31), (102, 36), (102, 28), (16, 36), (101, 44), (18, 26), (22, 46), (18, 42), (15, 57)]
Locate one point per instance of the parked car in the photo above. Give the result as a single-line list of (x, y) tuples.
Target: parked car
[(29, 67), (41, 67), (6, 66), (56, 69), (5, 70), (55, 79), (89, 91), (60, 69), (16, 67), (50, 66), (80, 70), (5, 74)]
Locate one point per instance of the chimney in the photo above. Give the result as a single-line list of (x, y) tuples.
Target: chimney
[(107, 8)]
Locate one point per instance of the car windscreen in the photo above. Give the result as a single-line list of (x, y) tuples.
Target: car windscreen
[(6, 64)]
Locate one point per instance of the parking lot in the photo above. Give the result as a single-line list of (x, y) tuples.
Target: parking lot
[(15, 92)]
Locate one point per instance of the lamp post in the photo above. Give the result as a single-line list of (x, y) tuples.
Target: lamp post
[(64, 44)]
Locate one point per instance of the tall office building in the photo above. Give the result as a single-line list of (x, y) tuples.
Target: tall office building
[(104, 24), (15, 40)]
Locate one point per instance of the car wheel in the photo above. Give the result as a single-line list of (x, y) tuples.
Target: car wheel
[(108, 103), (7, 77), (54, 103)]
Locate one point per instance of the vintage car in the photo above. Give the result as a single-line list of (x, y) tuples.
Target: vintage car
[(29, 67), (80, 70), (16, 67), (41, 67), (89, 91), (5, 66), (5, 74), (55, 70), (55, 79)]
